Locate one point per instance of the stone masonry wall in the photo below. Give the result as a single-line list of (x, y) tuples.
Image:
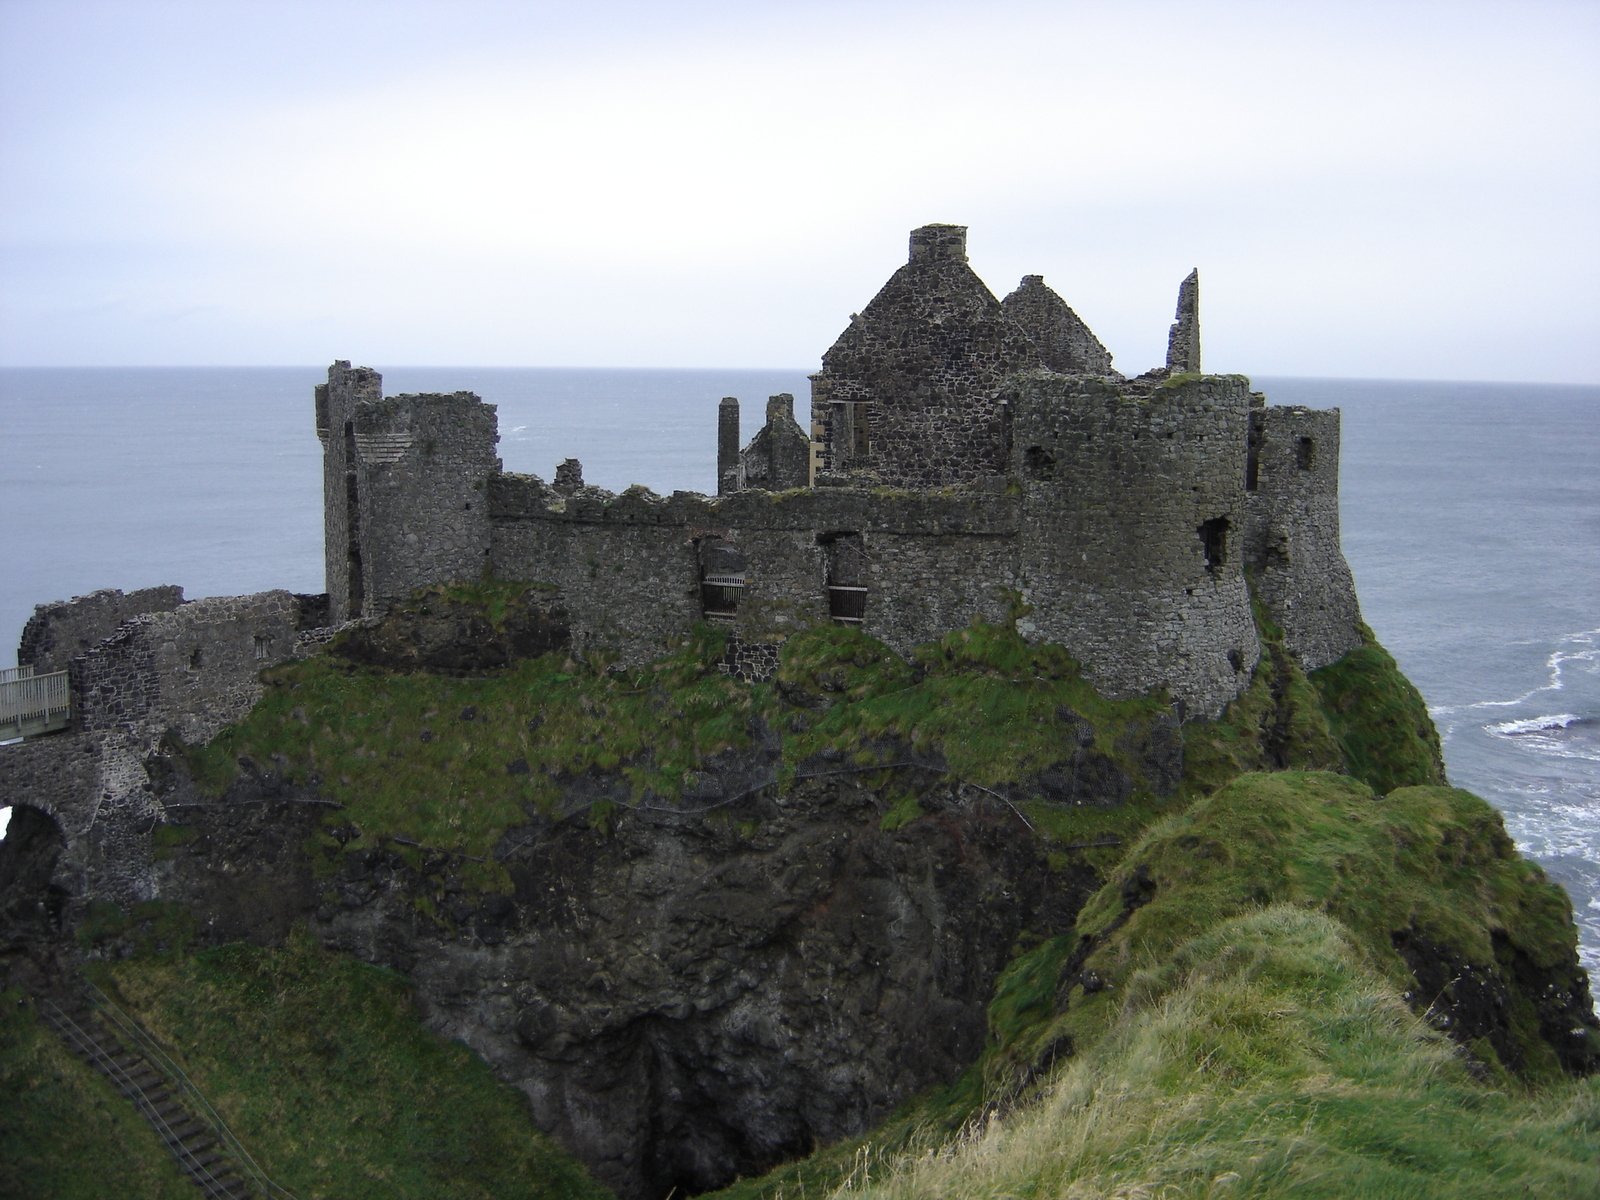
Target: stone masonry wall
[(919, 368), (425, 462), (1292, 540), (58, 632), (1132, 523), (779, 456), (1065, 342), (1183, 339), (628, 567), (336, 403), (94, 788), (194, 669)]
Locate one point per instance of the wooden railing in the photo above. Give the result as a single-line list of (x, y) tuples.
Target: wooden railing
[(32, 704)]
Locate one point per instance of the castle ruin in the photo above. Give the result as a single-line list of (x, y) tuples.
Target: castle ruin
[(968, 458)]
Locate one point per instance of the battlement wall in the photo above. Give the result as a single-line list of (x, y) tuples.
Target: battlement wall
[(1132, 520), (632, 569), (1292, 538)]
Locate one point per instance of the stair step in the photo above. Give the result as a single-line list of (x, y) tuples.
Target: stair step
[(192, 1142)]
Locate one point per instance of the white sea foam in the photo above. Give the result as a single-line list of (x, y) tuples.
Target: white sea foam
[(1581, 649), (1533, 724)]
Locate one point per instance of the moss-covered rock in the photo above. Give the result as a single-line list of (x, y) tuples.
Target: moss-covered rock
[(1425, 879)]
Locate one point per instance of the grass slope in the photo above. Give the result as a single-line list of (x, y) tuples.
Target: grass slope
[(65, 1134), (320, 1065), (452, 763), (1226, 1017), (1263, 1058)]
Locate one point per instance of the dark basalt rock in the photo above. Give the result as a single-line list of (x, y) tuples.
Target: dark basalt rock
[(1469, 1000), (686, 998)]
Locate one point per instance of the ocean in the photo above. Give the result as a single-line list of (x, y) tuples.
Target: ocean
[(1471, 517)]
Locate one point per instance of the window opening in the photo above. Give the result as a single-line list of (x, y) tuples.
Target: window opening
[(1305, 454), (1040, 462), (722, 579), (846, 560), (1214, 541)]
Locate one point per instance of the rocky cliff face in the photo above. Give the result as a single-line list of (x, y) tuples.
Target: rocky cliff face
[(684, 997)]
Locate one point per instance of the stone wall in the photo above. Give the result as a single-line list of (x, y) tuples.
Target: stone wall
[(58, 632), (1183, 339), (94, 787), (779, 456), (1292, 534), (629, 568), (1132, 521), (1065, 343), (728, 445), (194, 669), (907, 396), (336, 403), (424, 464)]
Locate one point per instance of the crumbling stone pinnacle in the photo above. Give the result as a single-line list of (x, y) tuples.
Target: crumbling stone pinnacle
[(1183, 342)]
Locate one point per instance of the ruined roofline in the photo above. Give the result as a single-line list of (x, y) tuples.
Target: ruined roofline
[(1059, 336)]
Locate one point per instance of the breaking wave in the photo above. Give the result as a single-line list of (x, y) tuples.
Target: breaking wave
[(1537, 724), (1573, 651)]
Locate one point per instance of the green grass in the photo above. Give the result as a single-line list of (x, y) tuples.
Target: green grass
[(1380, 719), (65, 1134), (320, 1066), (1429, 859), (1191, 984), (452, 763), (1265, 1058), (1249, 998), (981, 703), (1278, 722)]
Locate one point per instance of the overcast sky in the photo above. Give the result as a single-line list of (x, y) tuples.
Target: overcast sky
[(1403, 189)]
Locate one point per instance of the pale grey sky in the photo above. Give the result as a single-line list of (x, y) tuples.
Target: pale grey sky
[(1389, 189)]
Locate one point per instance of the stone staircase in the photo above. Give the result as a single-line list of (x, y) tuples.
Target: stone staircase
[(110, 1041)]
